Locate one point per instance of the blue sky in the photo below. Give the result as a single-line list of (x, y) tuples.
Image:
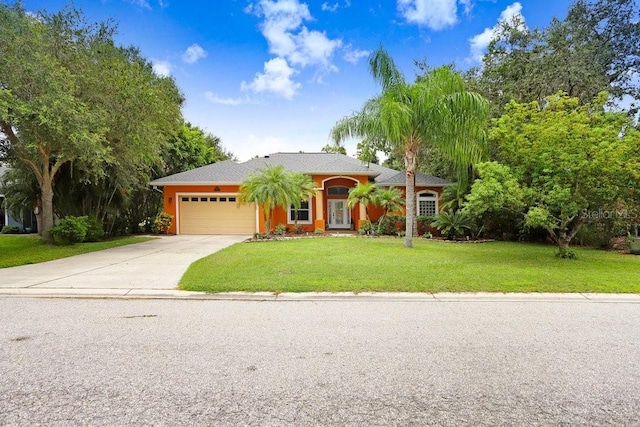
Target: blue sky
[(275, 75)]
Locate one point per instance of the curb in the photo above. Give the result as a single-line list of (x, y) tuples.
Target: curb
[(84, 293)]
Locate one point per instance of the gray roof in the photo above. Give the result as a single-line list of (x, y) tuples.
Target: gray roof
[(230, 172), (313, 163), (422, 180), (225, 172)]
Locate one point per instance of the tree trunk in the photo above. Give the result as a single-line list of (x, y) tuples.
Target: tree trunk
[(410, 166), (46, 211)]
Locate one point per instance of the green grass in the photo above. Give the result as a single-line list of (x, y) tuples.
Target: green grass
[(21, 250), (383, 265)]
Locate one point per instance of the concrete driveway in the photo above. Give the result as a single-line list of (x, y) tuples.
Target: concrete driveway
[(154, 265)]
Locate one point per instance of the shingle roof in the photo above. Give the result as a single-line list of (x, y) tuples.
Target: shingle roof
[(313, 163), (225, 172), (230, 172), (399, 179)]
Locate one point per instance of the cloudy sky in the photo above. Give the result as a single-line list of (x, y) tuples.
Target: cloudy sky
[(275, 75)]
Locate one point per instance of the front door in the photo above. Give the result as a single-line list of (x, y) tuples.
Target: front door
[(339, 214)]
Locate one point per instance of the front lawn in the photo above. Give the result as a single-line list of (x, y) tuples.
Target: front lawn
[(383, 265), (21, 250)]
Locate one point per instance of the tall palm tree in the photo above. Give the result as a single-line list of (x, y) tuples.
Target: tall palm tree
[(272, 187), (434, 111), (362, 193), (390, 200)]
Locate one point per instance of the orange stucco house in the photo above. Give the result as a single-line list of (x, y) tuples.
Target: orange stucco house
[(205, 200)]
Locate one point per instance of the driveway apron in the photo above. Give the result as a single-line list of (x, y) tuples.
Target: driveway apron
[(155, 264)]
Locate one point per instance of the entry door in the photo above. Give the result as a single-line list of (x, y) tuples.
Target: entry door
[(339, 214)]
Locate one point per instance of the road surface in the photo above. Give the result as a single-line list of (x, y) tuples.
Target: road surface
[(168, 362)]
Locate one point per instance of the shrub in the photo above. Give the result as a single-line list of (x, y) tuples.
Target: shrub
[(70, 230), (10, 229), (297, 229), (318, 231), (566, 253), (95, 231), (280, 230), (163, 222), (424, 224), (391, 225), (452, 224), (366, 227)]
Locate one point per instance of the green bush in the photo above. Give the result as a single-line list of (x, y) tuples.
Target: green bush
[(95, 231), (424, 224), (280, 230), (10, 229), (566, 253), (391, 225), (366, 227), (163, 222), (319, 231), (70, 230), (452, 224)]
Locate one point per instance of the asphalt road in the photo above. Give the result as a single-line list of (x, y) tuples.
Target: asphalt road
[(166, 362)]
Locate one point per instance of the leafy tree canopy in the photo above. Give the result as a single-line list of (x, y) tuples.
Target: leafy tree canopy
[(595, 48), (574, 158), (70, 96)]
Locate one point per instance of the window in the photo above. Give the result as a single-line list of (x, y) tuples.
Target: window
[(194, 199), (232, 199), (427, 204), (223, 199), (304, 214), (213, 199), (338, 191), (185, 199), (203, 199)]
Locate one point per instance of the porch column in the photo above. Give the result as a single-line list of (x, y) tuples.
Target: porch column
[(319, 222)]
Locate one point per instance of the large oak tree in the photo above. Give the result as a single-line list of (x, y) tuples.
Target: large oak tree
[(70, 96)]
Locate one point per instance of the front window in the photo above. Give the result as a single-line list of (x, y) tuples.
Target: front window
[(303, 214), (427, 204)]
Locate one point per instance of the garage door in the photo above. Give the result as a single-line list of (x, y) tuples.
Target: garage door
[(206, 214)]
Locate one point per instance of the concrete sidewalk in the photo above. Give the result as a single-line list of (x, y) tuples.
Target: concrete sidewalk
[(156, 265)]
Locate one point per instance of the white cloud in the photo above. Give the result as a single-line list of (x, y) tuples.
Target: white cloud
[(145, 3), (468, 5), (224, 101), (276, 79), (162, 68), (435, 14), (354, 55), (289, 38), (193, 54), (479, 42), (326, 7), (142, 3)]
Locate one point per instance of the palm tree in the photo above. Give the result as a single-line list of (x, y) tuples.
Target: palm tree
[(452, 223), (304, 189), (271, 188), (435, 111), (390, 199), (362, 193)]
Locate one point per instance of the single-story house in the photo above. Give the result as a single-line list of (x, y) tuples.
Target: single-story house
[(205, 200)]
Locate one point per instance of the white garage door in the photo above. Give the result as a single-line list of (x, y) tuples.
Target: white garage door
[(207, 214)]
